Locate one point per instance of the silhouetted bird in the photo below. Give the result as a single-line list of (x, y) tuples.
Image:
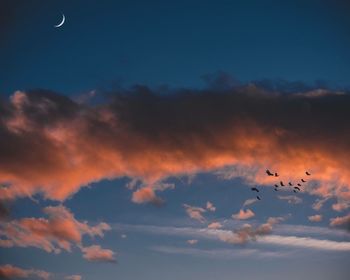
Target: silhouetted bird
[(294, 191), (258, 198), (276, 189), (290, 184), (299, 185), (282, 184), (268, 172), (276, 174), (307, 173), (297, 188), (255, 189), (276, 186), (303, 180)]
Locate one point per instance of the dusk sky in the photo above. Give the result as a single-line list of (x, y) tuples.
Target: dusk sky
[(175, 140)]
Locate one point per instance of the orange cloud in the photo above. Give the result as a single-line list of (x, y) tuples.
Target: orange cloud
[(58, 232), (341, 222), (243, 214), (195, 213), (215, 225), (8, 271), (54, 146), (95, 253), (315, 218)]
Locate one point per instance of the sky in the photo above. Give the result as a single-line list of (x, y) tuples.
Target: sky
[(137, 140)]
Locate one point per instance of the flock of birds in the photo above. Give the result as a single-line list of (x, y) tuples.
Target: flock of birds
[(275, 174)]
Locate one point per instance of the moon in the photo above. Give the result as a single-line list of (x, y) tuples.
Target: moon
[(62, 22)]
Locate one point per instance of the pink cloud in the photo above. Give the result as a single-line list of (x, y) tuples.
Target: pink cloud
[(210, 206), (58, 232), (341, 221), (243, 214), (215, 225), (8, 271), (95, 253), (195, 213), (315, 218)]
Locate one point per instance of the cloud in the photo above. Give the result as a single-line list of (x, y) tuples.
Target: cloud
[(341, 206), (8, 271), (192, 241), (259, 233), (73, 277), (249, 202), (95, 253), (292, 199), (305, 242), (318, 204), (243, 214), (149, 135), (249, 233), (215, 225), (315, 218), (341, 222), (220, 253), (195, 213), (59, 231), (210, 206)]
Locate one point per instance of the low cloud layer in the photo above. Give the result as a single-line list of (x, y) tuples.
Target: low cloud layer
[(53, 145)]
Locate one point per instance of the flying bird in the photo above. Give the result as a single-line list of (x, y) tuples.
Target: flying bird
[(268, 172), (258, 198), (303, 180), (276, 190), (290, 184), (299, 185), (255, 189), (297, 188), (307, 173), (276, 174), (282, 184), (276, 186)]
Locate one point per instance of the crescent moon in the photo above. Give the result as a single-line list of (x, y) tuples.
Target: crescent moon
[(62, 22)]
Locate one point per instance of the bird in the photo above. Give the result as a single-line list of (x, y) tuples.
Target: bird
[(307, 173), (303, 180), (276, 174), (299, 185), (282, 184), (258, 198), (290, 184), (276, 186), (276, 189), (268, 172), (294, 191), (255, 189), (297, 188)]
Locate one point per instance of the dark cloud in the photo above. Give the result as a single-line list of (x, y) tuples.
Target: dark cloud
[(53, 145)]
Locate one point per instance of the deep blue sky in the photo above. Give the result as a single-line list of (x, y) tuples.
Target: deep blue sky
[(104, 43)]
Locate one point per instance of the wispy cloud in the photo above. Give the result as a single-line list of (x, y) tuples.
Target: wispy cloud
[(276, 240), (220, 253), (291, 199)]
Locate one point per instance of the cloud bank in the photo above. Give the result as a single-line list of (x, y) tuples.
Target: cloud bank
[(54, 146)]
